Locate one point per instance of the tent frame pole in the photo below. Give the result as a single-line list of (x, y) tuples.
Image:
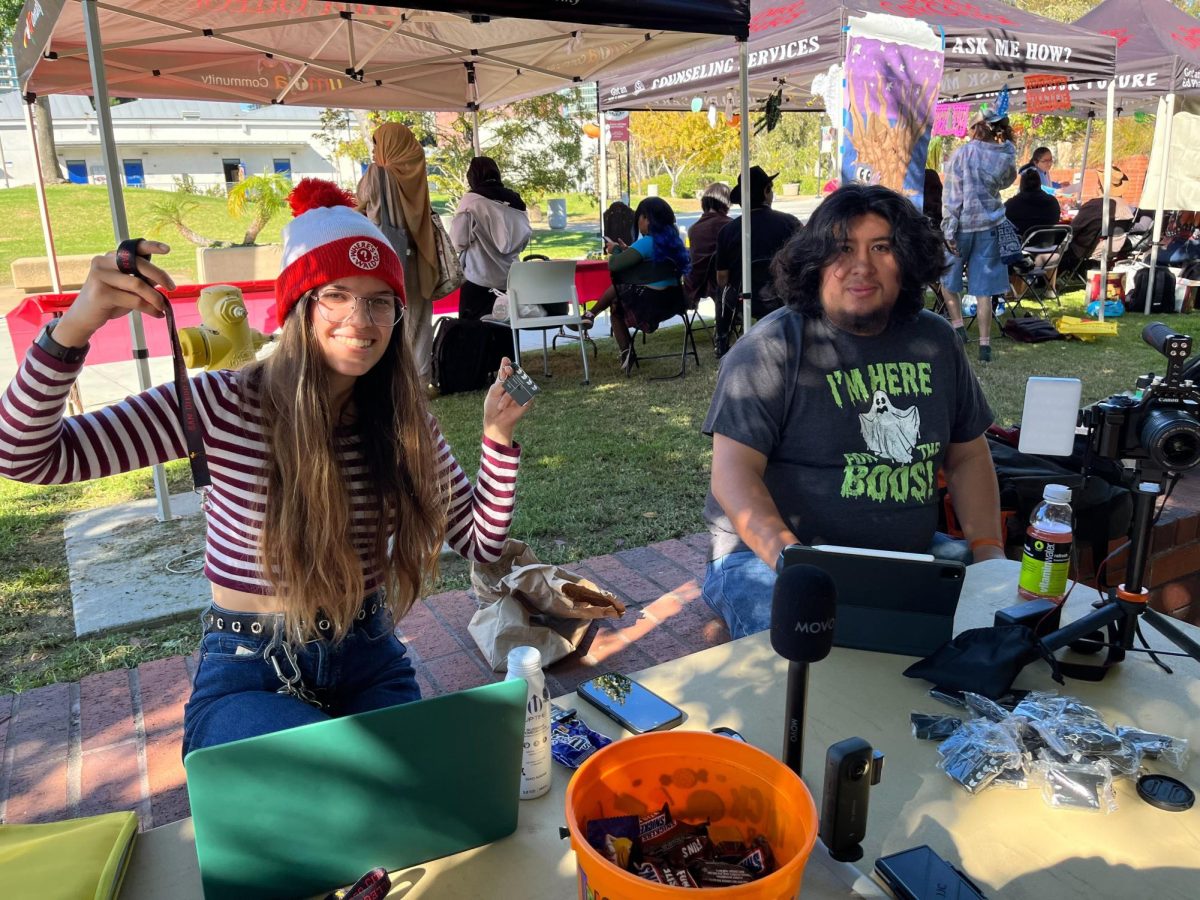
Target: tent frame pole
[(40, 191), (603, 165), (1087, 143), (1106, 180), (744, 87), (116, 206), (1159, 212)]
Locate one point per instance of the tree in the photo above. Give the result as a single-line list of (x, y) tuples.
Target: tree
[(264, 196), (676, 143), (791, 149), (43, 123)]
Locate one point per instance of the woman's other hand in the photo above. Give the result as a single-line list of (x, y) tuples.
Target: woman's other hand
[(109, 294), (500, 411)]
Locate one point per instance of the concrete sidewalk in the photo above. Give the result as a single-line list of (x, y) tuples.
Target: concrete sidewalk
[(112, 741)]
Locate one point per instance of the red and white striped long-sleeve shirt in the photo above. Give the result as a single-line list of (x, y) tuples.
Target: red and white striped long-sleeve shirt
[(40, 446)]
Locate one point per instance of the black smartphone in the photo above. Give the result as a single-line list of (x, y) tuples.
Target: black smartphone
[(629, 704), (920, 874)]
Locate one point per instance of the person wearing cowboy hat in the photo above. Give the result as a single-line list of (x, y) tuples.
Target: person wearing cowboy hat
[(769, 230), (971, 215)]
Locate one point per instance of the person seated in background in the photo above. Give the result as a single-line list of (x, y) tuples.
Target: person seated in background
[(1031, 207), (1041, 162), (769, 231), (620, 223), (1089, 221), (646, 288), (832, 416), (701, 282), (490, 228)]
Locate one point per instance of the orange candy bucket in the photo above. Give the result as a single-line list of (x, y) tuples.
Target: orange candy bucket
[(702, 776)]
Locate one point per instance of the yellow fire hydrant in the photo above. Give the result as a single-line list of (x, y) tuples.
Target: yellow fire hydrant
[(224, 339)]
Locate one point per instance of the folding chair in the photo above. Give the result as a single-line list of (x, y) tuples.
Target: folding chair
[(729, 305), (545, 283), (1037, 284), (684, 312)]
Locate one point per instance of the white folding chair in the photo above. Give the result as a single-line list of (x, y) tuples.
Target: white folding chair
[(544, 283)]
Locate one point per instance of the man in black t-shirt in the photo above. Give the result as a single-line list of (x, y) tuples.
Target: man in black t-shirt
[(833, 415), (769, 231)]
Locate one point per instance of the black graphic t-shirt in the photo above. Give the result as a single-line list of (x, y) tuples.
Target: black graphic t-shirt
[(854, 428)]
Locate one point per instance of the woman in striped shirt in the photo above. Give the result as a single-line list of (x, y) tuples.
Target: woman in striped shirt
[(332, 486)]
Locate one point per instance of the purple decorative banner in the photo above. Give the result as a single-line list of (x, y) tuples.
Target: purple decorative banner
[(893, 72)]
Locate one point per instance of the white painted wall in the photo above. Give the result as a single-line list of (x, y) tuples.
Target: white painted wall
[(170, 146)]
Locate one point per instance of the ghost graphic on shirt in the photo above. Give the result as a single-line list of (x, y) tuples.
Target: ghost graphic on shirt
[(890, 432)]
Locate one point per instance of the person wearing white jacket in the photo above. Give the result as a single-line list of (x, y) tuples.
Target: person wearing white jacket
[(490, 229)]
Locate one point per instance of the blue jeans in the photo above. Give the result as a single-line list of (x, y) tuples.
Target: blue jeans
[(739, 585), (234, 694)]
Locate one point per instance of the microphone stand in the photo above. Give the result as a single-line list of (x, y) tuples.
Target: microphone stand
[(1127, 602)]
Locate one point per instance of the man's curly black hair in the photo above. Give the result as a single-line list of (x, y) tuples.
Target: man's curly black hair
[(918, 247)]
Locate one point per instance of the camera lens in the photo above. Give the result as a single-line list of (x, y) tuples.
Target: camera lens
[(1171, 438)]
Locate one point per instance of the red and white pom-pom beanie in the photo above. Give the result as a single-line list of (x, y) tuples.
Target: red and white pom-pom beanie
[(329, 239)]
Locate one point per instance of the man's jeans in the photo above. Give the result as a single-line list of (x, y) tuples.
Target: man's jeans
[(235, 695), (739, 585)]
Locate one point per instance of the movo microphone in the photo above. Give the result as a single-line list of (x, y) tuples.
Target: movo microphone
[(803, 614)]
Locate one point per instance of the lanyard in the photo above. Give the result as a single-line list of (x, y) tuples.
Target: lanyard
[(188, 417)]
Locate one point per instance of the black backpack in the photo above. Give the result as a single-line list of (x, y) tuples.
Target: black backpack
[(1164, 291), (467, 353), (1031, 330)]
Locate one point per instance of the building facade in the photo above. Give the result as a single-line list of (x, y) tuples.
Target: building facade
[(162, 143)]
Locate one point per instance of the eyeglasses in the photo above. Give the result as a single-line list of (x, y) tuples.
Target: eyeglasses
[(337, 306)]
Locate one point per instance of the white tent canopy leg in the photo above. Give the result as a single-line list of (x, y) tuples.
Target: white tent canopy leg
[(744, 85), (116, 205), (1166, 117), (603, 166), (1106, 221), (43, 210)]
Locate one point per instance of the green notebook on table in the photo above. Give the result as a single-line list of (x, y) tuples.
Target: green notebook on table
[(303, 811)]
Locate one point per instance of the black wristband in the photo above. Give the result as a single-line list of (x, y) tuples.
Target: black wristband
[(65, 354)]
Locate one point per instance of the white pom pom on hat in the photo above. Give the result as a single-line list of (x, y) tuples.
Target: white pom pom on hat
[(329, 239)]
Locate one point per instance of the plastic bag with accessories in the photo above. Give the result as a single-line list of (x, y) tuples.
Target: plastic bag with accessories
[(526, 602)]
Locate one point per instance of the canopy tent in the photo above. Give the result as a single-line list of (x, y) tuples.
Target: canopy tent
[(426, 56), (987, 42), (433, 55)]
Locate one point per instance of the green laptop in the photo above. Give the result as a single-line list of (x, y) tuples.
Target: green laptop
[(307, 810)]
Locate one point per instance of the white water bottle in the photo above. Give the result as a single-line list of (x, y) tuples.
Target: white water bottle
[(526, 663)]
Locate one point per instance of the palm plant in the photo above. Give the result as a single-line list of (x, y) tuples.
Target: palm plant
[(170, 211), (263, 197)]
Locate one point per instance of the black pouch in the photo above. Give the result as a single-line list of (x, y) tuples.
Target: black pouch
[(983, 660)]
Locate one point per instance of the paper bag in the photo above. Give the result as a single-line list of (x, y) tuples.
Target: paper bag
[(533, 604)]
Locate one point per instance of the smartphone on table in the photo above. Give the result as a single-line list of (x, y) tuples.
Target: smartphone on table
[(629, 704), (920, 874)]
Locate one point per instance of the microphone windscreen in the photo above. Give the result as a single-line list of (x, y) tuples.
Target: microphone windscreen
[(803, 613)]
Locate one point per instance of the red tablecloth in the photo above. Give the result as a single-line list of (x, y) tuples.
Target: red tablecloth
[(591, 280), (113, 343)]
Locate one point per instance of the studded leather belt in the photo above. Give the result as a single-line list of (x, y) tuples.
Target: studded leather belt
[(265, 624)]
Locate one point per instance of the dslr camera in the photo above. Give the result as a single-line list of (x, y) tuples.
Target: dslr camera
[(1158, 427)]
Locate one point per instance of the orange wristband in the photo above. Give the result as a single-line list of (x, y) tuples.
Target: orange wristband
[(986, 542)]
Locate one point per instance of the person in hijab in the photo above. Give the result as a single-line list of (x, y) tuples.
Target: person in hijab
[(396, 187), (490, 229)]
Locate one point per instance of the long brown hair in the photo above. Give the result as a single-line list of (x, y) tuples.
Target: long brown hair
[(306, 547)]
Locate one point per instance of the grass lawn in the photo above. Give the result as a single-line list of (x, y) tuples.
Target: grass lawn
[(620, 463), (81, 223)]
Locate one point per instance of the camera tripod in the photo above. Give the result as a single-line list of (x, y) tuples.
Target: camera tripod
[(1119, 614)]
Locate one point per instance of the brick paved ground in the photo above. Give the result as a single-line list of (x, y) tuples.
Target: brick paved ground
[(112, 741)]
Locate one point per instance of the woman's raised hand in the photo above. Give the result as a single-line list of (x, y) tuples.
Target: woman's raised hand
[(500, 411), (109, 293)]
